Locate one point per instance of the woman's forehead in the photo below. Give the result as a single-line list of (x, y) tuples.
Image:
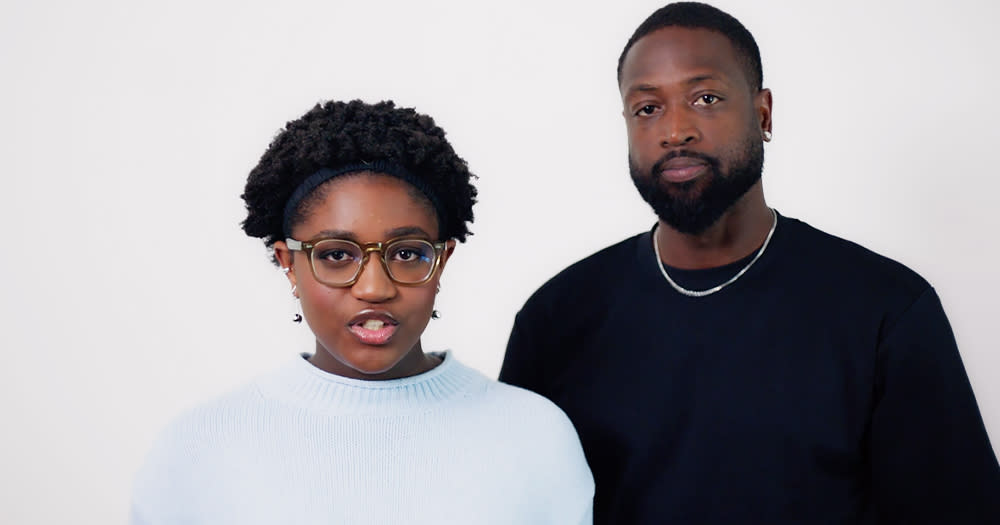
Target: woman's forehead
[(367, 206)]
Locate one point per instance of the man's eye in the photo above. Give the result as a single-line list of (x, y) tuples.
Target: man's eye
[(707, 100), (646, 110)]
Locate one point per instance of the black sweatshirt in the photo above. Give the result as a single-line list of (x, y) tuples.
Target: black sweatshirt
[(823, 386)]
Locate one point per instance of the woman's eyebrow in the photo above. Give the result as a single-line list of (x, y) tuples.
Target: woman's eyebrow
[(337, 234), (406, 230), (401, 231)]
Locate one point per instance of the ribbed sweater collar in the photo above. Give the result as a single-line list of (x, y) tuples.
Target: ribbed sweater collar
[(301, 384)]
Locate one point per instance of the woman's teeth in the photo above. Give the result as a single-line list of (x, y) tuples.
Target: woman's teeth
[(373, 324)]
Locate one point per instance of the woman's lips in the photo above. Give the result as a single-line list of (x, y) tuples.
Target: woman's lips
[(373, 327), (683, 169), (373, 336)]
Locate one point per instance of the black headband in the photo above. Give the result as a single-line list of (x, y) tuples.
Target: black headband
[(379, 166)]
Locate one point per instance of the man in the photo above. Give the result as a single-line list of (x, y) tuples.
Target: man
[(733, 365)]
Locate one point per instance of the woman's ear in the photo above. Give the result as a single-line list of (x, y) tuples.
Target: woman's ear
[(449, 248), (284, 256)]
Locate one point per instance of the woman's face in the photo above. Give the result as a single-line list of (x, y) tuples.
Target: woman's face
[(370, 330)]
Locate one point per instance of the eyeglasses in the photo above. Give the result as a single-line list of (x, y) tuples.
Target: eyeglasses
[(339, 262)]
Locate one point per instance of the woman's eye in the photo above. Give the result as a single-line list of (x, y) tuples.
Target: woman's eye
[(707, 100), (335, 255), (407, 254)]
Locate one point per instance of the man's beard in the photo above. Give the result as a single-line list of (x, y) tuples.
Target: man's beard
[(680, 205)]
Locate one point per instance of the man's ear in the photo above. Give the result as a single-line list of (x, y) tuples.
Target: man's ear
[(285, 258), (762, 107)]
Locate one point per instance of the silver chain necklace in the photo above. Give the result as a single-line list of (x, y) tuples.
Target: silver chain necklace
[(710, 291)]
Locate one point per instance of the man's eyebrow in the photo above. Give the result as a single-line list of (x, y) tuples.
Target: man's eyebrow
[(642, 88), (703, 78), (647, 88)]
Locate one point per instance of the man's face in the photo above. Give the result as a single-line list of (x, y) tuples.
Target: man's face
[(694, 125)]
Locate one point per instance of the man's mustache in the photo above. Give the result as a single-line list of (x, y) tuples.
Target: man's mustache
[(658, 165)]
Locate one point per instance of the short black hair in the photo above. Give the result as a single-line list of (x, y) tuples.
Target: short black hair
[(695, 15), (336, 134)]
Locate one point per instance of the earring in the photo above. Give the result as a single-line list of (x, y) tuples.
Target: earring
[(434, 313), (297, 318), (767, 135)]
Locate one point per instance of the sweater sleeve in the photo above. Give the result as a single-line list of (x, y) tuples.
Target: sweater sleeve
[(931, 458), (136, 518), (165, 484)]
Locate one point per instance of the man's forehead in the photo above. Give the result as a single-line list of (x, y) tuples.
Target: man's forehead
[(682, 52)]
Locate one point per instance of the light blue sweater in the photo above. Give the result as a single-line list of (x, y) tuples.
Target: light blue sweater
[(301, 446)]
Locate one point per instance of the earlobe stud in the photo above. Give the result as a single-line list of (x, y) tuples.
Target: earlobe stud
[(767, 136)]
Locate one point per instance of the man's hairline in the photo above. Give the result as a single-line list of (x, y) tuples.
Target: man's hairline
[(755, 88)]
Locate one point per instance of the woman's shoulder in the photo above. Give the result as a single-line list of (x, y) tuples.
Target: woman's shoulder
[(207, 424), (525, 402), (185, 450), (521, 411), (544, 439)]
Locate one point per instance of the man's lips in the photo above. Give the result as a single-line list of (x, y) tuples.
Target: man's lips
[(373, 327), (682, 169)]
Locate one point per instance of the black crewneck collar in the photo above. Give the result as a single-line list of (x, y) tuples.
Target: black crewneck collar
[(702, 279)]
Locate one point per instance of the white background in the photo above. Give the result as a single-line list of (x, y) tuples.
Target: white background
[(127, 129)]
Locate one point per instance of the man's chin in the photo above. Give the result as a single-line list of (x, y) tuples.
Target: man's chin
[(690, 225), (683, 211), (690, 190)]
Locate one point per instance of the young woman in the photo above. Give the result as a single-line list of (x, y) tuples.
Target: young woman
[(363, 205)]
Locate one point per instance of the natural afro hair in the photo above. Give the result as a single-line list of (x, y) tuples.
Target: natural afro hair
[(695, 15), (336, 134)]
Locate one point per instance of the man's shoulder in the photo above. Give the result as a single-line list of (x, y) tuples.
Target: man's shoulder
[(590, 274), (846, 262)]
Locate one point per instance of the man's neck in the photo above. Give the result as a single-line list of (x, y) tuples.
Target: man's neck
[(739, 232)]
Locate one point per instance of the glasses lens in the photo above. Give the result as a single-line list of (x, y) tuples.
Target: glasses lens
[(336, 262), (410, 260)]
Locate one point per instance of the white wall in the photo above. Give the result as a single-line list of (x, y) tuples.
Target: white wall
[(127, 130)]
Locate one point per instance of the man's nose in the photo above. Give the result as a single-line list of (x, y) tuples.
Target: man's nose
[(679, 128)]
